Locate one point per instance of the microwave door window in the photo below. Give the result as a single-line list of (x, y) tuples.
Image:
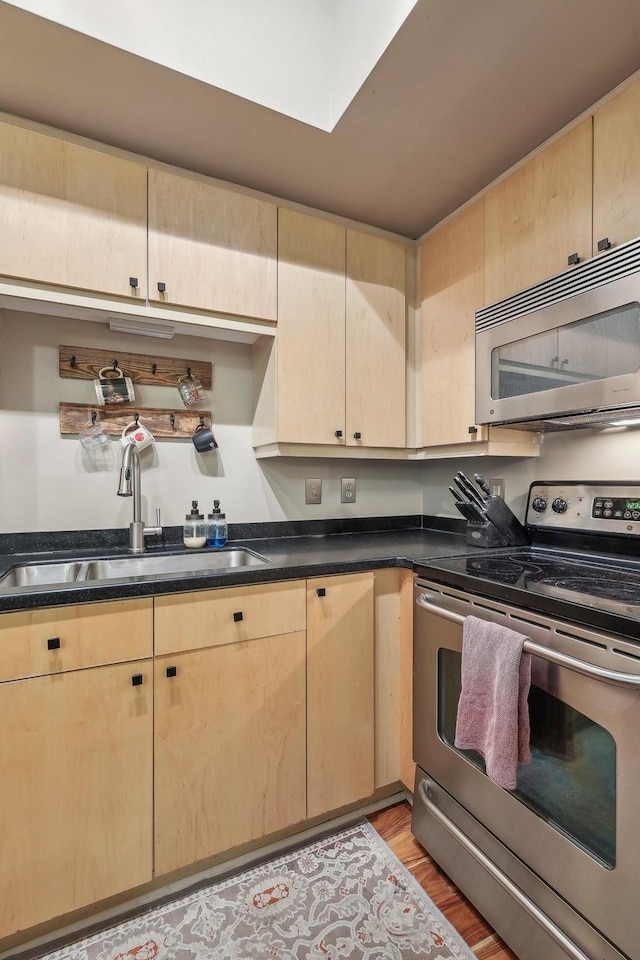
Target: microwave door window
[(600, 347)]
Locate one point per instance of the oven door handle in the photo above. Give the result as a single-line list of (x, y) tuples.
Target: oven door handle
[(496, 874), (545, 653)]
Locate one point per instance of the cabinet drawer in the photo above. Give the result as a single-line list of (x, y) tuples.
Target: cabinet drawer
[(189, 621), (36, 642)]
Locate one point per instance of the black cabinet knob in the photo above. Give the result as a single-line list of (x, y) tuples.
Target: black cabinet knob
[(172, 671), (133, 282), (338, 434), (321, 591), (473, 429), (53, 643), (136, 680), (357, 436), (238, 616), (604, 244), (573, 259), (162, 287)]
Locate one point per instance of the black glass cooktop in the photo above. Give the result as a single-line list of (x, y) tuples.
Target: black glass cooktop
[(600, 583)]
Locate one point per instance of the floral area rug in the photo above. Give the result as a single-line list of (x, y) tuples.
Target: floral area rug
[(345, 896)]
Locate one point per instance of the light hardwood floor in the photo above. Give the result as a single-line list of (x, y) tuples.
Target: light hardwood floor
[(394, 826)]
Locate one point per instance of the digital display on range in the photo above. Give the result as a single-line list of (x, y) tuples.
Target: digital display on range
[(616, 508)]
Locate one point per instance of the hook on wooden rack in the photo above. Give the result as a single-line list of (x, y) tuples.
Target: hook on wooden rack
[(94, 416), (188, 373), (72, 360), (202, 421), (136, 417), (154, 368), (172, 420), (115, 364)]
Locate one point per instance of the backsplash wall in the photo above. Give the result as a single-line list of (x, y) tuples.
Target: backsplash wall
[(46, 482), (603, 454)]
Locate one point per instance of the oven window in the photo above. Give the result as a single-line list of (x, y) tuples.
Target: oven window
[(571, 781), (597, 348)]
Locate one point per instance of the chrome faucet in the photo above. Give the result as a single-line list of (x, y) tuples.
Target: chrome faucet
[(130, 486)]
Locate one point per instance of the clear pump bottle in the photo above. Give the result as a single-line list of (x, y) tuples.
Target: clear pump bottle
[(217, 533), (194, 531)]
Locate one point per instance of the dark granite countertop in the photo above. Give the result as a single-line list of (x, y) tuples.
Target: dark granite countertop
[(307, 549)]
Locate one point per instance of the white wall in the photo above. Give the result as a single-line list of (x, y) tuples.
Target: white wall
[(609, 454), (46, 482)]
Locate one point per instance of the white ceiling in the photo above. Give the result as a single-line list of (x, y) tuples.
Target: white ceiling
[(304, 58), (465, 89)]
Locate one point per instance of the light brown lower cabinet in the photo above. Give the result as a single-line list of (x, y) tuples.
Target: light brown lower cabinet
[(340, 691), (229, 746), (76, 794)]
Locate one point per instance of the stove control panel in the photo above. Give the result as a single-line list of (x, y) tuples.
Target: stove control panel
[(595, 507)]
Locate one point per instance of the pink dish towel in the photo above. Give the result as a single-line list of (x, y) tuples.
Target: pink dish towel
[(493, 713)]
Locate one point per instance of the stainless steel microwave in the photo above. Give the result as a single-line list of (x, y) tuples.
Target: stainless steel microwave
[(565, 353)]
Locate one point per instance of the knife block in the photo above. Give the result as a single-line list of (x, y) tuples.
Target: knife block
[(484, 535)]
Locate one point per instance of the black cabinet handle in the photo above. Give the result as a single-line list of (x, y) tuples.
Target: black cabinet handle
[(172, 671), (133, 282), (338, 434), (357, 436), (473, 429), (604, 244), (136, 680), (573, 259), (53, 643), (162, 287), (238, 616), (321, 591)]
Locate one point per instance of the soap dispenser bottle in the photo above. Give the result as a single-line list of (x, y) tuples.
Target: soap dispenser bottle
[(217, 534), (194, 532)]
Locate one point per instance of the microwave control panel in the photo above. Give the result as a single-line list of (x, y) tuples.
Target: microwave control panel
[(593, 507)]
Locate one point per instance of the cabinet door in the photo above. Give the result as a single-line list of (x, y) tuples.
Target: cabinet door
[(452, 268), (71, 216), (310, 379), (340, 692), (229, 746), (540, 215), (76, 797), (616, 168), (212, 248), (375, 342)]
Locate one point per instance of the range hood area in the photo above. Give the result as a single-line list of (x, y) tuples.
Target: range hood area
[(565, 353)]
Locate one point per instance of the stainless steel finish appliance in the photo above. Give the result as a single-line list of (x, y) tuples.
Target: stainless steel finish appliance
[(565, 353), (554, 864)]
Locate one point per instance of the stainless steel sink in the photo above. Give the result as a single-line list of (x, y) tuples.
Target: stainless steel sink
[(149, 566)]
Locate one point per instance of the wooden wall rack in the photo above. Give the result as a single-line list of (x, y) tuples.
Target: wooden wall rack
[(114, 418), (82, 363)]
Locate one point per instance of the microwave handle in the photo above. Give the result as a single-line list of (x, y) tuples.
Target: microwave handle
[(553, 656)]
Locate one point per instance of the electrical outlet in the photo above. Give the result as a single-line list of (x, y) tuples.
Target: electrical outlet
[(313, 491), (348, 490), (497, 488)]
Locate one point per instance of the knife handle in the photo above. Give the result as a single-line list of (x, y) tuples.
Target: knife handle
[(482, 483)]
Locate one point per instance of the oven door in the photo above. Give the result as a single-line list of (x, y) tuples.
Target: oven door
[(572, 821)]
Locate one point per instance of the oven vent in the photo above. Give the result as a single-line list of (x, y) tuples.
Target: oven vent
[(615, 264)]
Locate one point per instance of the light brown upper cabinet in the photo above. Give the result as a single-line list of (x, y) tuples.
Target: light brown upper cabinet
[(452, 285), (340, 364), (310, 375), (71, 216), (540, 216), (211, 248), (375, 342), (616, 170)]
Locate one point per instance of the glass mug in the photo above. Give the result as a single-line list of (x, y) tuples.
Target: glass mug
[(115, 388), (191, 390), (97, 444)]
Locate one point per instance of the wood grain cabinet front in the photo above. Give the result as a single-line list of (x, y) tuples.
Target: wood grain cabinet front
[(76, 774), (540, 215), (616, 170), (71, 216), (341, 335), (340, 691), (211, 248)]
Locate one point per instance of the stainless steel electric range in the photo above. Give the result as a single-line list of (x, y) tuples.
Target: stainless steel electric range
[(554, 865)]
